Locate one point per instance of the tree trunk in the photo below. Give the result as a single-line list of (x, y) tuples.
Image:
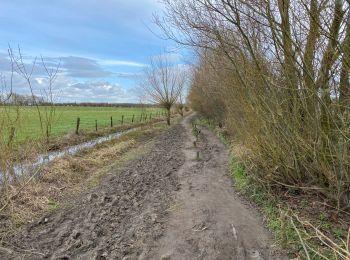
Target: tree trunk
[(309, 56), (328, 60), (289, 64), (168, 117), (344, 84)]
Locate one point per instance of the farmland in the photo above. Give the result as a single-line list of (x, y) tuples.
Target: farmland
[(65, 118)]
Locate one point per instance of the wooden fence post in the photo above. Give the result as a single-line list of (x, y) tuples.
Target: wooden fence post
[(122, 119), (150, 116), (111, 121), (132, 120), (77, 127), (96, 125)]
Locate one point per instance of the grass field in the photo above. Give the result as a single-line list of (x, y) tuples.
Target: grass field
[(66, 117)]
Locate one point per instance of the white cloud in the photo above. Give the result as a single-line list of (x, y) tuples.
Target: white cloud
[(121, 63), (39, 80), (95, 91), (68, 89)]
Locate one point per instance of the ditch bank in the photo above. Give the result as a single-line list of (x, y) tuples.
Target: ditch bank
[(30, 167), (31, 155)]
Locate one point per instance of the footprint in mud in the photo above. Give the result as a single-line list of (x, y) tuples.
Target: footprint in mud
[(107, 200), (93, 197), (190, 186)]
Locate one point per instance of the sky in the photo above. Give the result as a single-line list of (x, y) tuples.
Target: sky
[(101, 46)]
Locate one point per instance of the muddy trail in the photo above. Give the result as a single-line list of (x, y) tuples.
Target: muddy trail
[(164, 204)]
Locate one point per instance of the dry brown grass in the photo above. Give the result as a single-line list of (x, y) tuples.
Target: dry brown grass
[(59, 179)]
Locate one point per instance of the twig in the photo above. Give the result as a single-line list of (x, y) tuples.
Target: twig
[(234, 232), (300, 238), (335, 208), (199, 230), (326, 240), (348, 240)]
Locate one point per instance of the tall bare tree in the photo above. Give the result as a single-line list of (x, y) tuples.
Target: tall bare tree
[(163, 82)]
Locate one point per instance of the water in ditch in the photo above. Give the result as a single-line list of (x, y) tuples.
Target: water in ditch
[(30, 167)]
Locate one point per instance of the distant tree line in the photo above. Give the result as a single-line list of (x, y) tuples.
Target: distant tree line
[(101, 104), (31, 100), (22, 100)]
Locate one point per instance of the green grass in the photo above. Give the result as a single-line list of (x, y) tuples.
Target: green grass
[(53, 205), (66, 117)]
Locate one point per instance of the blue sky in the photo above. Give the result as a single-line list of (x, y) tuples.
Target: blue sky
[(102, 45)]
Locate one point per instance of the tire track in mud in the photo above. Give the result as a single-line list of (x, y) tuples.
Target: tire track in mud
[(119, 219)]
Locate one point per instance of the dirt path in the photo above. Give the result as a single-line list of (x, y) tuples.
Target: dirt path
[(208, 220), (163, 205)]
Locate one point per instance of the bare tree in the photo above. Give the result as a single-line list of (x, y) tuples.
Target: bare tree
[(45, 113), (163, 82)]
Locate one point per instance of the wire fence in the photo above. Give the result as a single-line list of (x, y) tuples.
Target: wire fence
[(114, 121)]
